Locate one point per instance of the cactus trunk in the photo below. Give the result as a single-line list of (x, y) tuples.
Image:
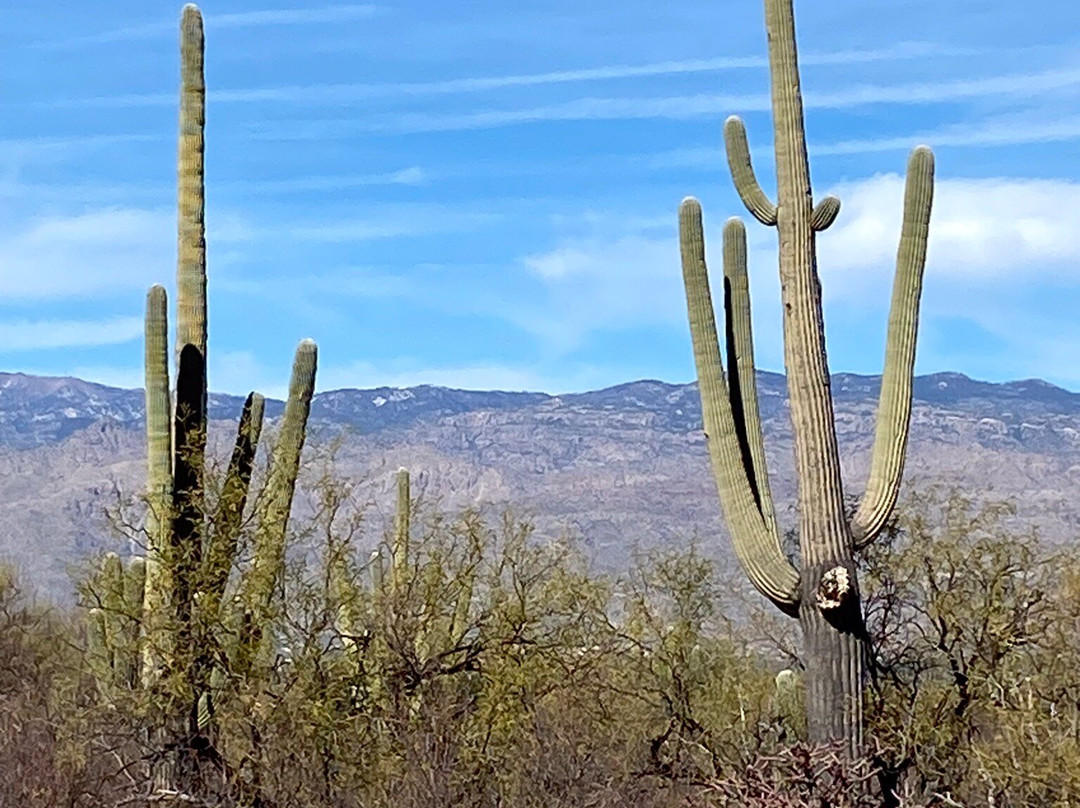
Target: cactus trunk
[(833, 649), (399, 564)]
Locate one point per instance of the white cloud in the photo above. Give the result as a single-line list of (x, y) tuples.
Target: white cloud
[(108, 375), (80, 255), (982, 134), (979, 134), (114, 249), (981, 229), (407, 220), (563, 378), (602, 108), (597, 284), (292, 16), (28, 335), (239, 372), (986, 233), (414, 175)]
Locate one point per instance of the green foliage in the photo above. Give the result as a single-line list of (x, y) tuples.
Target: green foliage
[(566, 687), (976, 649)]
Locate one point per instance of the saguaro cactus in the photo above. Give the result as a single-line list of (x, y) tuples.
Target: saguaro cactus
[(190, 553), (824, 593)]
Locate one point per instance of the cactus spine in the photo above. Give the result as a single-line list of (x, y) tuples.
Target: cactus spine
[(824, 594)]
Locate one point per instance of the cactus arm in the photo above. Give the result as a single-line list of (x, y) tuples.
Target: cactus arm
[(399, 565), (135, 587), (462, 608), (115, 611), (758, 551), (742, 382), (134, 593), (825, 213), (344, 592), (159, 479), (742, 172), (221, 544), (894, 404), (97, 647), (375, 568), (281, 482)]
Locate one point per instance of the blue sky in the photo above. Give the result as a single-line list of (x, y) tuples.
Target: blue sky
[(483, 195)]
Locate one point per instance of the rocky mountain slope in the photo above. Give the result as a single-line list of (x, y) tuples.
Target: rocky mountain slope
[(620, 467)]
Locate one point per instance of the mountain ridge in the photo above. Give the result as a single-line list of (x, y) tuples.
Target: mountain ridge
[(619, 467), (54, 407)]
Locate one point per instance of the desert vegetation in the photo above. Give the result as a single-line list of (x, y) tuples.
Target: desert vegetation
[(469, 662), (238, 656)]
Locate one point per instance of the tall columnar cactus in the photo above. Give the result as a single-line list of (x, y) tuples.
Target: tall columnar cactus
[(190, 553), (824, 592)]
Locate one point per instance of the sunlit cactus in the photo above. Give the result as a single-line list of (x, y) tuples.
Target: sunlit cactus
[(823, 593), (158, 623), (264, 579)]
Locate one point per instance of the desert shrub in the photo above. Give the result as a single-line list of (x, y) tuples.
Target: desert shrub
[(491, 667), (974, 647)]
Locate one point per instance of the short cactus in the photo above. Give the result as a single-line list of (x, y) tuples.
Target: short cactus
[(113, 641), (419, 612)]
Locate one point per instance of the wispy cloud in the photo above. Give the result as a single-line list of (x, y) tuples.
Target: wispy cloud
[(978, 134), (680, 107), (246, 19), (36, 335), (314, 94), (75, 256), (412, 220), (293, 16), (16, 151), (413, 175), (990, 134)]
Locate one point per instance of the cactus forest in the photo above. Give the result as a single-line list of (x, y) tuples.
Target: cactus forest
[(273, 634)]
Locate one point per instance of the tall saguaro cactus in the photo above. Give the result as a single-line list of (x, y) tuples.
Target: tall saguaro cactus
[(191, 553), (823, 593)]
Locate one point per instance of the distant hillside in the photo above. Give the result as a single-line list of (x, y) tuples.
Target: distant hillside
[(622, 466)]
